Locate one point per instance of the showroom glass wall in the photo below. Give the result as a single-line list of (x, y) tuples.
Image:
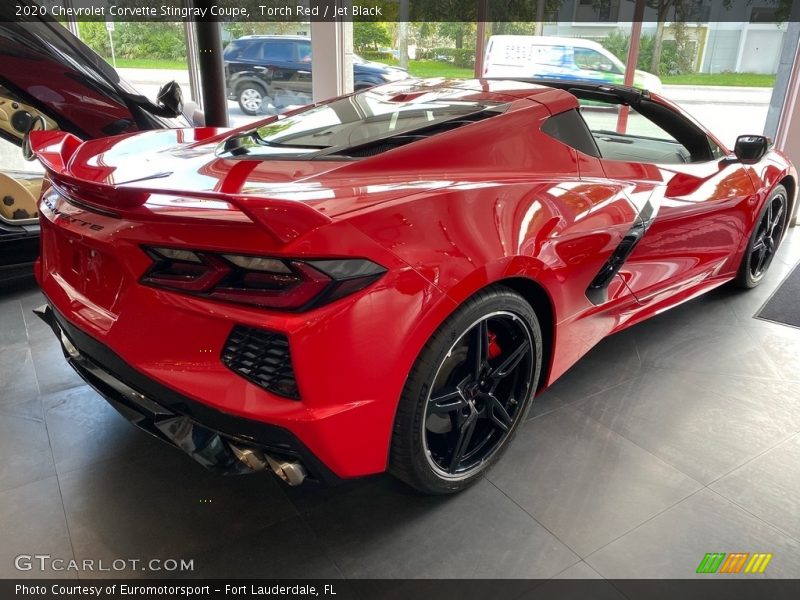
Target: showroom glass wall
[(268, 68), (721, 72)]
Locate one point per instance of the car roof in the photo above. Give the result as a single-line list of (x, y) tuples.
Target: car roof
[(273, 37), (549, 40)]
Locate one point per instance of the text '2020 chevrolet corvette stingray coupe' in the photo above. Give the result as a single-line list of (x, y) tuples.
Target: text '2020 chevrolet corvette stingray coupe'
[(385, 280)]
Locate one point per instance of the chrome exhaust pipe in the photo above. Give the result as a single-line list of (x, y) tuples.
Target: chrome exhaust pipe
[(251, 458), (292, 472)]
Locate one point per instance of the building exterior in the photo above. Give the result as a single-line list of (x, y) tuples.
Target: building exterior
[(743, 37)]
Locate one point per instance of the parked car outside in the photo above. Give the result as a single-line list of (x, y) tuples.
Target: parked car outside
[(559, 58), (272, 72)]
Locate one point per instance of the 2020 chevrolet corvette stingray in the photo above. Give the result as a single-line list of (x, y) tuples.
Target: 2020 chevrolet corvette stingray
[(385, 280)]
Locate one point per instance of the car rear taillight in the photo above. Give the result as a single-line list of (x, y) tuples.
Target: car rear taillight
[(268, 282)]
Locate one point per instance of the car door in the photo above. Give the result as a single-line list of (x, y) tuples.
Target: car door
[(280, 57), (240, 56), (699, 206), (291, 71), (551, 62)]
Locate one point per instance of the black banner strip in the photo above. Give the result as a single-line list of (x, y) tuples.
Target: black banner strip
[(601, 12), (712, 587)]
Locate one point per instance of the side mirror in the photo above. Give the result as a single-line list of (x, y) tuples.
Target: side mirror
[(750, 149), (170, 99)]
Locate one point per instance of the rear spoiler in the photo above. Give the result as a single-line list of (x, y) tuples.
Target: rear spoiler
[(285, 220)]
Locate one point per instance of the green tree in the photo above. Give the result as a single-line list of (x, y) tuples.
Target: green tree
[(515, 28), (662, 10), (95, 36), (242, 28), (459, 32), (150, 40), (370, 34), (677, 56)]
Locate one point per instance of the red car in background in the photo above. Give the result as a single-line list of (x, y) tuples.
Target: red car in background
[(384, 281)]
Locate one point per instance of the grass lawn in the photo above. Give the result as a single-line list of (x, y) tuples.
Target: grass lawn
[(417, 68), (734, 79), (433, 68), (149, 63)]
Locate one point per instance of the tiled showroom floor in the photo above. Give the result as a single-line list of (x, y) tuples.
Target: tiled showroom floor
[(675, 438)]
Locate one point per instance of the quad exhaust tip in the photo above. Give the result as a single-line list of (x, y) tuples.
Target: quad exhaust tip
[(292, 472)]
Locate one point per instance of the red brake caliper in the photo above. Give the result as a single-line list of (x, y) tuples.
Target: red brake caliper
[(494, 348)]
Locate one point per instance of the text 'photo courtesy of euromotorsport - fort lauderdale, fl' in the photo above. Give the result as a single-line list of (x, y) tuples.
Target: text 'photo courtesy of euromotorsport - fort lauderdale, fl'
[(170, 590), (399, 299)]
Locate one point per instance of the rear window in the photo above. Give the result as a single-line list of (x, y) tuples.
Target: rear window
[(362, 119), (280, 51), (249, 49), (231, 50)]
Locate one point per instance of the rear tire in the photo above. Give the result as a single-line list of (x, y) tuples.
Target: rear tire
[(251, 98), (765, 239), (467, 393)]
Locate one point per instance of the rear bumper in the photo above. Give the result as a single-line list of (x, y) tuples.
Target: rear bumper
[(348, 377), (207, 435)]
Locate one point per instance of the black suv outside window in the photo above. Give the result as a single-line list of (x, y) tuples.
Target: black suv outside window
[(251, 51), (279, 51)]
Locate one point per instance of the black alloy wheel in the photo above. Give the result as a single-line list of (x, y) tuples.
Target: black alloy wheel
[(765, 240), (468, 393), (769, 234), (477, 394)]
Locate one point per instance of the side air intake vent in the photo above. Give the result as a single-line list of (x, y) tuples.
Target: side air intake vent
[(263, 358), (390, 143)]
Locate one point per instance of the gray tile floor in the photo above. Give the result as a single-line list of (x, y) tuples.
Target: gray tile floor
[(678, 437)]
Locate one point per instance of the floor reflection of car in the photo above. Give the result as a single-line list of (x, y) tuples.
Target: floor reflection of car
[(271, 72), (51, 80), (559, 58)]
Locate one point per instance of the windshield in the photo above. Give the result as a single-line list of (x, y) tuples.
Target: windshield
[(358, 119)]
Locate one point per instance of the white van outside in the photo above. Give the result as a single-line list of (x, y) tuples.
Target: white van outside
[(560, 58)]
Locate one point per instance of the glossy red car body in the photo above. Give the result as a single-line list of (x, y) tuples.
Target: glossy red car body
[(494, 201)]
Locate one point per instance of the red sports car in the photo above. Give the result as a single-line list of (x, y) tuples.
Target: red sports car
[(385, 280)]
